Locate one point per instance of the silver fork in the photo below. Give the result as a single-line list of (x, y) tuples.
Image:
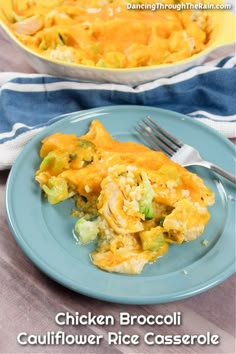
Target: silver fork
[(159, 139)]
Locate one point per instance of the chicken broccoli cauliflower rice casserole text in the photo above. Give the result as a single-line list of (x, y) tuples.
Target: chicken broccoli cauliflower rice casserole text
[(132, 202), (109, 33)]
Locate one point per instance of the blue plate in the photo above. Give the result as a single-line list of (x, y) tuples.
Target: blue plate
[(44, 232)]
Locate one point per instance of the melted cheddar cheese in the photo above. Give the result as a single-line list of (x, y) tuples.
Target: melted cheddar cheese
[(140, 200), (110, 34)]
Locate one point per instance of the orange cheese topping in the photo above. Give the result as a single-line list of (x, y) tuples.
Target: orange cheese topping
[(110, 34)]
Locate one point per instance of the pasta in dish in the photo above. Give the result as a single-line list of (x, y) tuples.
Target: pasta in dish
[(130, 201), (110, 33)]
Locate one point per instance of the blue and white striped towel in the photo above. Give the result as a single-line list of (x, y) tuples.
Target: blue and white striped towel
[(28, 103)]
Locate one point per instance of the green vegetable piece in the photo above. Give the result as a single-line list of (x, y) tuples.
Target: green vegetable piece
[(101, 63), (53, 162), (86, 151), (152, 239), (86, 231), (161, 221), (72, 156), (43, 45), (86, 144), (56, 190), (145, 204), (61, 39), (17, 18)]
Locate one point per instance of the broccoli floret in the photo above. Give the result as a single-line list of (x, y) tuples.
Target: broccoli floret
[(56, 190), (54, 163), (17, 18), (152, 239), (145, 204), (86, 144), (43, 45), (86, 230)]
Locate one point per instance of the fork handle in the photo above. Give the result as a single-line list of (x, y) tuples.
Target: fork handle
[(219, 170)]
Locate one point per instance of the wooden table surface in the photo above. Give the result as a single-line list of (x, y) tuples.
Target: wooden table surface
[(29, 300)]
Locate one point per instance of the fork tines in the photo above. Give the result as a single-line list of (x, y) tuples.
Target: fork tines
[(157, 137)]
